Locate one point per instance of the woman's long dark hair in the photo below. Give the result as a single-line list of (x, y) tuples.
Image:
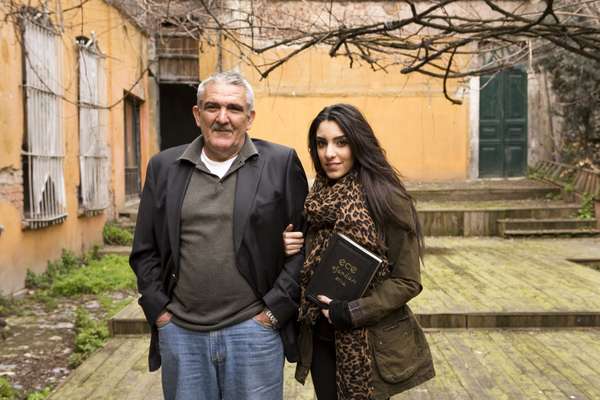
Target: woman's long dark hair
[(380, 181)]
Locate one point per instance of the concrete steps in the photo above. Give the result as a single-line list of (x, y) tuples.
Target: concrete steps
[(548, 227), (547, 223), (552, 233), (131, 320), (126, 223), (115, 250), (479, 218), (129, 213), (467, 208), (483, 190), (505, 207)]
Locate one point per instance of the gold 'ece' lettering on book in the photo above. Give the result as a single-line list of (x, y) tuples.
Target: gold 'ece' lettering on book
[(344, 272)]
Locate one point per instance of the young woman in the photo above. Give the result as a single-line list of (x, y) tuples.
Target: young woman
[(372, 347)]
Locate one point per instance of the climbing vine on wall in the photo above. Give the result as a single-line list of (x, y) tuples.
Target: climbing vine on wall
[(576, 85)]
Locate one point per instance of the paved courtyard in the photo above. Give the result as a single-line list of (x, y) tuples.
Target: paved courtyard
[(461, 276)]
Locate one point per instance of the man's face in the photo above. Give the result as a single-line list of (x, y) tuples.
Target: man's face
[(224, 119)]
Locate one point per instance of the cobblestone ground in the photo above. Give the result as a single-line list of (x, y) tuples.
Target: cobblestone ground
[(38, 338)]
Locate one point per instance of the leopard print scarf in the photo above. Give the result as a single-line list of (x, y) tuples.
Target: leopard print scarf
[(342, 208)]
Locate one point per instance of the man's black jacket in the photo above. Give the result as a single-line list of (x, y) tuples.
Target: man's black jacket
[(269, 194)]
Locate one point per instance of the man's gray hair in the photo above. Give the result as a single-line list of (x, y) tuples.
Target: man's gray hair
[(230, 78)]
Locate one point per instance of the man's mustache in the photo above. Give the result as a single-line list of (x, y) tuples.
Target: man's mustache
[(221, 127)]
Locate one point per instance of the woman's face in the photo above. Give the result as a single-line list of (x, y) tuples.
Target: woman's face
[(334, 151)]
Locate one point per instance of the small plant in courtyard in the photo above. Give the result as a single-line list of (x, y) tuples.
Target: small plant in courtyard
[(116, 235), (587, 207), (93, 254), (533, 173), (95, 288), (111, 273), (68, 262), (90, 335), (7, 392), (39, 395), (569, 188), (6, 306)]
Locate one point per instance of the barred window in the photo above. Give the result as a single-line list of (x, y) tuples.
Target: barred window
[(43, 145), (93, 150)]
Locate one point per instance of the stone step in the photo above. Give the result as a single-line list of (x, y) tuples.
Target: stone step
[(489, 282), (126, 223), (552, 232), (483, 190), (131, 321), (486, 194), (130, 211), (470, 364), (479, 218), (128, 215), (546, 223), (522, 319), (116, 250)]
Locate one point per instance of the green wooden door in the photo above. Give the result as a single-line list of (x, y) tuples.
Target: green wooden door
[(503, 124)]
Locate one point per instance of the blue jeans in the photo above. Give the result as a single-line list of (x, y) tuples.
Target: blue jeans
[(240, 362)]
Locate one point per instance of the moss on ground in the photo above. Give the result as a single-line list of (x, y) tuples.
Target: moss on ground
[(100, 286)]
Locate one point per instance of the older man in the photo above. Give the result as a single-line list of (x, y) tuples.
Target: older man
[(215, 285)]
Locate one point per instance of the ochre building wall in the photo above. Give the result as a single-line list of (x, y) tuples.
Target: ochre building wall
[(425, 136), (125, 47)]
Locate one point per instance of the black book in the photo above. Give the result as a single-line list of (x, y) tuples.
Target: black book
[(345, 271)]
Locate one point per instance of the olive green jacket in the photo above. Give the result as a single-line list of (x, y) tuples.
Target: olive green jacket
[(399, 351)]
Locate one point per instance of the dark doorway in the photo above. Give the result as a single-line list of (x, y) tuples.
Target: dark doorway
[(503, 124), (177, 125), (132, 147)]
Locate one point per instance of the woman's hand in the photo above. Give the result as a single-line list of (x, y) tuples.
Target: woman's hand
[(337, 313), (292, 241), (325, 311)]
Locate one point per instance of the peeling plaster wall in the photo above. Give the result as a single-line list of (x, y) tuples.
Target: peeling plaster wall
[(126, 50)]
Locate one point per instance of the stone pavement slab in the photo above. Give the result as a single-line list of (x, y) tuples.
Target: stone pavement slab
[(490, 282), (478, 184), (498, 275), (470, 364), (119, 371)]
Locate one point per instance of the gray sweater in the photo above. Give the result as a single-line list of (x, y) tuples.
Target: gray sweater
[(211, 293)]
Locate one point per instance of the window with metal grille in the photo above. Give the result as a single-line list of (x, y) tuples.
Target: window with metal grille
[(132, 147), (93, 151), (43, 145)]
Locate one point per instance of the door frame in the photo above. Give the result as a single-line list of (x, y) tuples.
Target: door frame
[(474, 111), (135, 103)]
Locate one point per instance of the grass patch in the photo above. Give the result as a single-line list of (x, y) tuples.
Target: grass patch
[(111, 273), (7, 392), (67, 263), (90, 335), (70, 276), (7, 306), (587, 207), (103, 285), (39, 395), (116, 235)]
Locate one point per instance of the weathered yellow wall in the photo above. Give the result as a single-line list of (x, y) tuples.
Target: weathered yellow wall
[(425, 136), (125, 47)]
